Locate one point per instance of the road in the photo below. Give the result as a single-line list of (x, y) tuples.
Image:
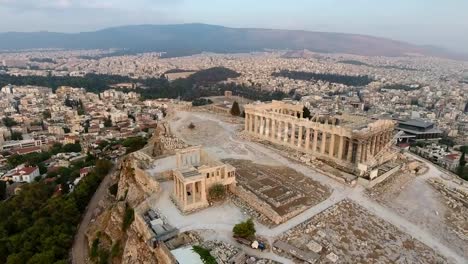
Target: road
[(80, 245)]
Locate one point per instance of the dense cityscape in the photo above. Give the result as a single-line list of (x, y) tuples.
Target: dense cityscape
[(54, 135), (319, 132)]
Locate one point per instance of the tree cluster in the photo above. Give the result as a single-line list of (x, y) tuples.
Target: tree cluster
[(38, 226), (134, 143), (201, 102), (402, 87), (361, 80), (201, 84)]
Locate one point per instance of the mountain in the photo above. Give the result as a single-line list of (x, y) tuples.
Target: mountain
[(185, 39)]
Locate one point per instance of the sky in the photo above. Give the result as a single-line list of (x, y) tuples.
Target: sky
[(442, 23)]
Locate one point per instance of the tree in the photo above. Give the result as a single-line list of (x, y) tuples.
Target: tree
[(2, 190), (9, 122), (462, 160), (46, 114), (103, 167), (71, 148), (306, 113), (191, 126), (245, 229), (235, 110), (108, 122), (16, 136), (94, 248), (217, 192), (134, 143)]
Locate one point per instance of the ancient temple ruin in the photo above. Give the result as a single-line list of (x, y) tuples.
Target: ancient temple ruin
[(196, 172), (354, 143)]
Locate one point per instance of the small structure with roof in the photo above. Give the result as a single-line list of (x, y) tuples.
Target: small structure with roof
[(196, 172)]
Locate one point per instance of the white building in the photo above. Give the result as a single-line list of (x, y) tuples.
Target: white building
[(23, 174)]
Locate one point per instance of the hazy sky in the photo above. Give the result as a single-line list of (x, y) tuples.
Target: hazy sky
[(433, 22)]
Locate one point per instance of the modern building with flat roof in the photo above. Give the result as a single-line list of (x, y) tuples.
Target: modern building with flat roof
[(419, 129)]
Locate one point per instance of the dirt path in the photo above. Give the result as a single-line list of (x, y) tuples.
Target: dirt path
[(80, 244)]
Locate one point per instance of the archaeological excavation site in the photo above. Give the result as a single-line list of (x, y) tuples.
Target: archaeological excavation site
[(318, 189)]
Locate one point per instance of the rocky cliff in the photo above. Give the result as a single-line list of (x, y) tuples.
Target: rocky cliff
[(107, 235)]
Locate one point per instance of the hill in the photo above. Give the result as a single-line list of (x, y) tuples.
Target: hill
[(186, 39)]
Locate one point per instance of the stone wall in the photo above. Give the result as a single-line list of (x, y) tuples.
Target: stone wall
[(145, 180), (369, 184), (259, 205), (164, 255)]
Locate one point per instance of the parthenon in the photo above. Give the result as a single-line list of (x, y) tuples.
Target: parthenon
[(353, 143)]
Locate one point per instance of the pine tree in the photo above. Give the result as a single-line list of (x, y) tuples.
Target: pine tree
[(306, 113), (462, 160), (235, 110)]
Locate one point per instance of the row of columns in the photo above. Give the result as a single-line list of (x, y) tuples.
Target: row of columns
[(181, 191), (307, 139)]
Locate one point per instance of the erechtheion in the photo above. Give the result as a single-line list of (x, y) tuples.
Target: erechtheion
[(196, 172)]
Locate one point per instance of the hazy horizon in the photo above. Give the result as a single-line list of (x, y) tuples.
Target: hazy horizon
[(419, 22)]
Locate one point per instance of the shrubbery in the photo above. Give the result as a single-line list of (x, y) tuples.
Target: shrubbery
[(245, 229), (129, 216), (217, 192)]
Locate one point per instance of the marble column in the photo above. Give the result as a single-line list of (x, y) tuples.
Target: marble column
[(185, 194), (262, 126), (380, 143), (247, 123), (374, 144), (203, 191), (340, 148), (314, 146), (299, 138), (307, 139), (331, 149), (255, 124), (349, 156), (273, 128), (280, 130), (286, 127), (251, 123), (368, 151), (358, 152), (293, 133), (178, 189), (175, 187), (324, 142), (194, 194), (268, 124), (364, 152)]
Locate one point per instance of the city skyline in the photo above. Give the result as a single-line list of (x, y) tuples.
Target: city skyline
[(418, 22)]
